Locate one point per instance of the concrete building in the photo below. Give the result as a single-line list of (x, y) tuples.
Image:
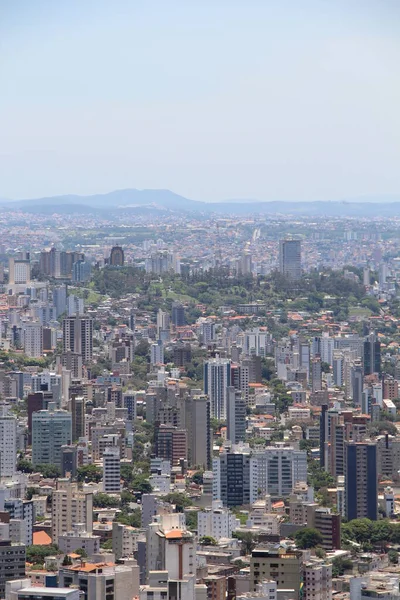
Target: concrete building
[(20, 511), (12, 563), (69, 507), (217, 378), (283, 566), (198, 415), (51, 429), (117, 257), (124, 540), (8, 442), (170, 547), (102, 580), (317, 578), (236, 416), (32, 339), (41, 593), (217, 521), (171, 444), (78, 336), (112, 470), (361, 480), (327, 523), (79, 538)]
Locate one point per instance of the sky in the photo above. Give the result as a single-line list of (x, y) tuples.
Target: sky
[(213, 99)]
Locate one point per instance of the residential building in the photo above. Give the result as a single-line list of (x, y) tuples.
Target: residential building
[(102, 580), (112, 470), (78, 336), (117, 257), (317, 579), (217, 378), (361, 480), (70, 506), (12, 563), (283, 566), (236, 415), (8, 442), (217, 521)]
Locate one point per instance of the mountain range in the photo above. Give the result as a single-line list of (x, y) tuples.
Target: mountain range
[(162, 201)]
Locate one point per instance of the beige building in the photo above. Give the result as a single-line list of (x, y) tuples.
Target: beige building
[(283, 566), (70, 506), (101, 580), (317, 581)]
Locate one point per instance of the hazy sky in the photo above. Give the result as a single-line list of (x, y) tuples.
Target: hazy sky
[(214, 99)]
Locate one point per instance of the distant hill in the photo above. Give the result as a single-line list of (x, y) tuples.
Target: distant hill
[(148, 201)]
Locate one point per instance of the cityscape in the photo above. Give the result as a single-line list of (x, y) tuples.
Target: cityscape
[(199, 405), (199, 300)]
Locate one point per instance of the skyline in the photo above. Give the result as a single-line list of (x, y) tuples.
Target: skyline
[(219, 101)]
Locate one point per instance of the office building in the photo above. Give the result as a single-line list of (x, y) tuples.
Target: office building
[(77, 409), (75, 306), (60, 299), (19, 271), (51, 429), (178, 315), (283, 566), (8, 442), (361, 480), (112, 470), (290, 258), (117, 257), (232, 479), (78, 336), (81, 271), (69, 507), (217, 379), (236, 416), (12, 563)]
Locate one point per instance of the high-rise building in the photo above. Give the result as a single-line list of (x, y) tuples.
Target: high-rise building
[(8, 442), (232, 479), (78, 336), (12, 563), (51, 429), (361, 480), (157, 353), (32, 337), (290, 258), (236, 416), (372, 355), (60, 299), (198, 414), (112, 470), (327, 523), (217, 378), (171, 444), (117, 257), (316, 374), (357, 382), (178, 315), (78, 416), (70, 506), (19, 271)]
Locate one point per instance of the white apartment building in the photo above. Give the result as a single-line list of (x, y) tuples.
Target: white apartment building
[(32, 339), (217, 521), (317, 581), (8, 442)]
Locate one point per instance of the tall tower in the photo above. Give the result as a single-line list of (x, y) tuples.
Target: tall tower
[(117, 257), (217, 378), (78, 336), (236, 416), (290, 258), (8, 442), (51, 429), (361, 481), (372, 355)]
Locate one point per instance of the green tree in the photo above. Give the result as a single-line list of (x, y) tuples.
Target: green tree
[(36, 553), (180, 500), (340, 565), (208, 540), (89, 473), (101, 500), (25, 466), (82, 552), (198, 477), (49, 471), (308, 538)]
